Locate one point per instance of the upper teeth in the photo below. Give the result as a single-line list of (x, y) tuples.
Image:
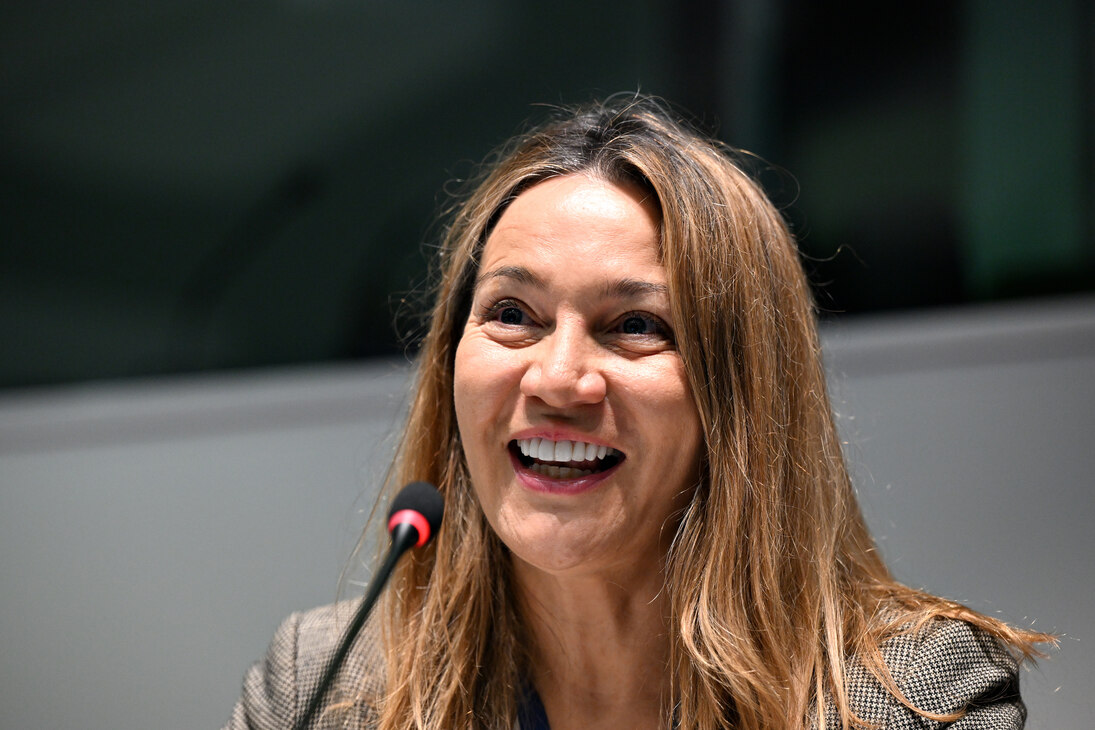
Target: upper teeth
[(563, 451)]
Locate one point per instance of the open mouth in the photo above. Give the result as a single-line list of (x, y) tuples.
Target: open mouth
[(564, 459)]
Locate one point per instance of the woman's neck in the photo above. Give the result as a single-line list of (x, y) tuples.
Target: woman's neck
[(600, 651)]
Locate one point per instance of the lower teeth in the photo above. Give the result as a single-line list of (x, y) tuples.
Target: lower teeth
[(559, 472)]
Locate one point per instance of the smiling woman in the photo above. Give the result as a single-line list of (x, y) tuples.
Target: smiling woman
[(577, 354), (649, 520)]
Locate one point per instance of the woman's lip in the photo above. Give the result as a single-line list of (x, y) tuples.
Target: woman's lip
[(540, 483), (552, 435)]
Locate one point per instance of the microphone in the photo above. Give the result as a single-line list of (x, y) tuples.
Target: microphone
[(415, 514), (413, 520)]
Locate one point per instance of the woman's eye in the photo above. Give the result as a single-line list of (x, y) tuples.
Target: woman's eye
[(638, 324), (507, 312), (511, 315)]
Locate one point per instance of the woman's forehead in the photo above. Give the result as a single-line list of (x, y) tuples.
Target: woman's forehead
[(577, 222)]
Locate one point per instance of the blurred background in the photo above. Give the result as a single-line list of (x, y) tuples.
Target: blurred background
[(212, 213), (207, 185)]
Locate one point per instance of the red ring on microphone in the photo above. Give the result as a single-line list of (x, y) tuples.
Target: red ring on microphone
[(416, 520)]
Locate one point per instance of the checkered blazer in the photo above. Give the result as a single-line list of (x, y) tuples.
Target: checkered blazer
[(947, 666)]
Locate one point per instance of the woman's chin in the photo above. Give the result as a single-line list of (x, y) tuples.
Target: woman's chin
[(553, 545)]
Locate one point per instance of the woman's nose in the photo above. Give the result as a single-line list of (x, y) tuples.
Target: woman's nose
[(564, 369)]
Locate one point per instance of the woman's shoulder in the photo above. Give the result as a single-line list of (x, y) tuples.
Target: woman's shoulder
[(277, 688), (942, 666)]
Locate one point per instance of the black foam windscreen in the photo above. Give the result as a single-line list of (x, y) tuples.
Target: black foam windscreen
[(421, 497)]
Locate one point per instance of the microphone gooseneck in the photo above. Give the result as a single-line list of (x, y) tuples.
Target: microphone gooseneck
[(413, 520)]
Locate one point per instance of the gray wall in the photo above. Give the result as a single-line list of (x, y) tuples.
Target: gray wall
[(154, 533)]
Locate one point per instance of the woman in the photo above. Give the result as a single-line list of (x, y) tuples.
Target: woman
[(649, 522)]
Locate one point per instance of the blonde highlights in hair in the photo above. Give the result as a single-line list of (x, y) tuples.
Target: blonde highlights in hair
[(772, 576)]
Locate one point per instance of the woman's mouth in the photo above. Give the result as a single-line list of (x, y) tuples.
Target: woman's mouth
[(564, 459)]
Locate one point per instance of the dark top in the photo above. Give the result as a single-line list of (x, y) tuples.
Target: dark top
[(531, 715)]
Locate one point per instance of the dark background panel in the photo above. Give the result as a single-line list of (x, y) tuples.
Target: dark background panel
[(198, 185)]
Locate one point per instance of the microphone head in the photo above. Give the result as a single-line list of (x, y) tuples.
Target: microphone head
[(421, 505)]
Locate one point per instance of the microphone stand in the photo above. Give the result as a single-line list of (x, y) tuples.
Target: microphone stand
[(404, 536)]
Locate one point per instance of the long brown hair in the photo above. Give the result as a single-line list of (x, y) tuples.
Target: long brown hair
[(772, 576)]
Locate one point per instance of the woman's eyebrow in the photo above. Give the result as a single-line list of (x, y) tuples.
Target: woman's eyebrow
[(618, 289), (631, 288), (517, 273)]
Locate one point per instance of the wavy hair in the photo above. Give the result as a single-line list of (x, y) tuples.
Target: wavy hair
[(772, 577)]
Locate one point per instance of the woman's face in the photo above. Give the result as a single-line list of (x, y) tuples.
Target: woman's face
[(578, 424)]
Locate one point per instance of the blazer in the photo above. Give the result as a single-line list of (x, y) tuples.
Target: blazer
[(946, 666)]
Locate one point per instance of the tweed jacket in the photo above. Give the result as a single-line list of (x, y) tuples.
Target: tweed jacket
[(946, 666)]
